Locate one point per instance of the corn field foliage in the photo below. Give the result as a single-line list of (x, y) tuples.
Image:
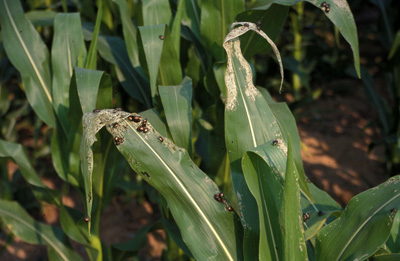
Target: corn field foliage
[(162, 93)]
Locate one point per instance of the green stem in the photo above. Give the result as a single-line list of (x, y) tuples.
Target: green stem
[(297, 24)]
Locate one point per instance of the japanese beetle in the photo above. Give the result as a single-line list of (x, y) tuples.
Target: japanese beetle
[(96, 110), (161, 37), (145, 130), (306, 217), (115, 125), (86, 218), (229, 208), (141, 128), (321, 213), (161, 139), (146, 174), (327, 9), (275, 142), (117, 140)]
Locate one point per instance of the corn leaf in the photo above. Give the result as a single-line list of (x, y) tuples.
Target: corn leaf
[(261, 168), (152, 45), (67, 50), (177, 102), (168, 168), (363, 227), (130, 32), (340, 15), (31, 231), (113, 50), (156, 12), (28, 53), (291, 218), (216, 19)]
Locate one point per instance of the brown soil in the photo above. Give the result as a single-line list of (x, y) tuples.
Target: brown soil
[(335, 141)]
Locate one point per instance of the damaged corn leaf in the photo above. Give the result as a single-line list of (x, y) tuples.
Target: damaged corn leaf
[(363, 227), (207, 226), (249, 123)]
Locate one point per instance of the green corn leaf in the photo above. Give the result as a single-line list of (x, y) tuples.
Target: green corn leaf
[(177, 102), (291, 216), (340, 15), (130, 32), (176, 29), (387, 257), (393, 243), (216, 19), (113, 50), (170, 72), (67, 49), (41, 17), (17, 153), (287, 124), (261, 168), (91, 62), (30, 56), (168, 168), (31, 231), (363, 227), (191, 16), (156, 12), (152, 46), (319, 210)]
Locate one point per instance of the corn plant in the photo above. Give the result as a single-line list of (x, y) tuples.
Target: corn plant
[(180, 108)]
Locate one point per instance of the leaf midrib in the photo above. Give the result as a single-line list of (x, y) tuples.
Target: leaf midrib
[(14, 26), (189, 196)]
